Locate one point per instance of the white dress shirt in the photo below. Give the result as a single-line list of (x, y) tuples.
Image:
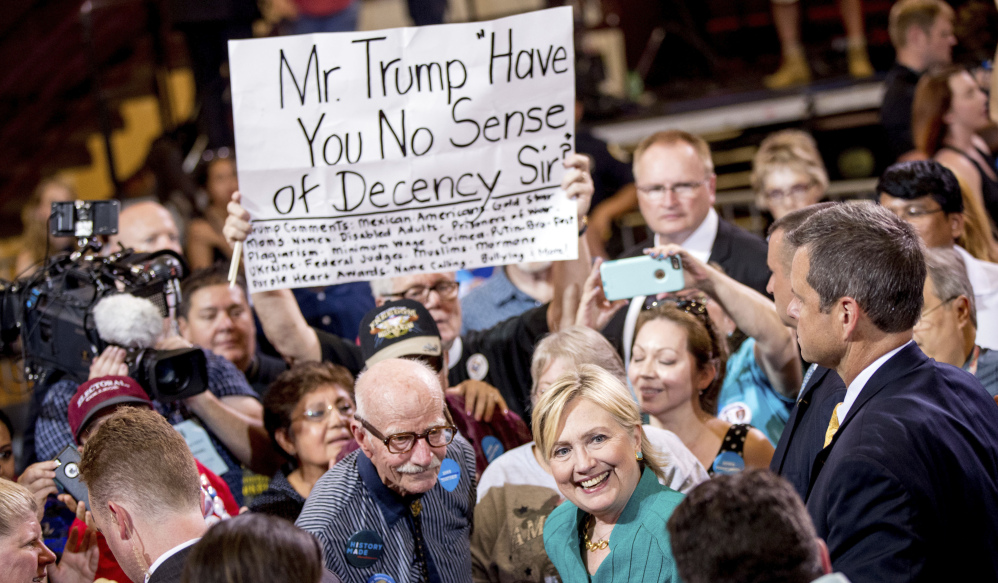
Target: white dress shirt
[(701, 241), (983, 277), (162, 558), (857, 384)]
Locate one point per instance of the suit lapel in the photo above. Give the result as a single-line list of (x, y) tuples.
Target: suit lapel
[(907, 359), (720, 251), (795, 415)]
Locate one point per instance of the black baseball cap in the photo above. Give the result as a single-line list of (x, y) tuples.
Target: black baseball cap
[(399, 329)]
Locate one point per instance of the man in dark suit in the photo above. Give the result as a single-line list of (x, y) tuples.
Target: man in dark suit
[(907, 488), (144, 492), (804, 435), (675, 179)]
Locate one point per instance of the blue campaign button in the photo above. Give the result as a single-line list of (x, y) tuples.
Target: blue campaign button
[(364, 548), (728, 462), (492, 447), (380, 578), (450, 474)]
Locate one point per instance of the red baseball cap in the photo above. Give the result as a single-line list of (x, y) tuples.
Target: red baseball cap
[(98, 394)]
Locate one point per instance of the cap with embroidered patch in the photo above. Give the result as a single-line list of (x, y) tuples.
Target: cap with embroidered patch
[(398, 329)]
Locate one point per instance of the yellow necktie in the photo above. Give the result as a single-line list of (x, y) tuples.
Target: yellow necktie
[(833, 425)]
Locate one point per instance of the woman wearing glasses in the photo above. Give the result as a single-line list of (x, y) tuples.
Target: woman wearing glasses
[(787, 173), (307, 412)]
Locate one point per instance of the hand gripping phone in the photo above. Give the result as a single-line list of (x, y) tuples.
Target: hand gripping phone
[(67, 474), (641, 276)]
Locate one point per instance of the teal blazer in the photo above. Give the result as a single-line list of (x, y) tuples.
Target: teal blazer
[(639, 543)]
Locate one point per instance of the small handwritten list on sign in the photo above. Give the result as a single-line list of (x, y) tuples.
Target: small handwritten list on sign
[(378, 154)]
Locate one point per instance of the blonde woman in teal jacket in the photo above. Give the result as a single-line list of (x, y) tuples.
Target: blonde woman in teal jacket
[(612, 525)]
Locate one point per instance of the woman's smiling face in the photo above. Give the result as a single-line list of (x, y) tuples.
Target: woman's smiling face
[(662, 370), (593, 460)]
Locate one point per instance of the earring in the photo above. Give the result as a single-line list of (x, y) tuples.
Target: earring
[(639, 456)]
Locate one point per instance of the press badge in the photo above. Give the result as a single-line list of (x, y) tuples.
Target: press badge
[(201, 446)]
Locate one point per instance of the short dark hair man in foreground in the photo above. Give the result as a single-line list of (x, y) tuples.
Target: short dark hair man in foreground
[(747, 527)]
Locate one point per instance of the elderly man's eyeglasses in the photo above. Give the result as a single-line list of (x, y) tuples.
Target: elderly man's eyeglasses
[(447, 290), (937, 306), (438, 436), (683, 190)]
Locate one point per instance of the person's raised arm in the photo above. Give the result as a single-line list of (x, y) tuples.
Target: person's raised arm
[(753, 313), (569, 276), (281, 318)]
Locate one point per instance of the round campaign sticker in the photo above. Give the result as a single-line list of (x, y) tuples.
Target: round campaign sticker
[(364, 548), (728, 462), (478, 366), (450, 474), (736, 412), (492, 448), (380, 578)]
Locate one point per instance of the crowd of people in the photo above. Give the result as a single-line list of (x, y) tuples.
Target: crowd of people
[(818, 405)]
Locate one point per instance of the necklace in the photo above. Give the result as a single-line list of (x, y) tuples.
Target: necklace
[(593, 546)]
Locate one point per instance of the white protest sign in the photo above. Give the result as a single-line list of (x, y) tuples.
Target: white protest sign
[(378, 154)]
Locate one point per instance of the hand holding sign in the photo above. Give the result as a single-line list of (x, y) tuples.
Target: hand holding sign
[(578, 183), (404, 151)]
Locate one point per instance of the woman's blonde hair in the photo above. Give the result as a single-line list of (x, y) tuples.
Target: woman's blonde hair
[(792, 149), (601, 388), (16, 503)]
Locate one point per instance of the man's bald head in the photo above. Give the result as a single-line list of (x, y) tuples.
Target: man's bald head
[(394, 385), (146, 227)]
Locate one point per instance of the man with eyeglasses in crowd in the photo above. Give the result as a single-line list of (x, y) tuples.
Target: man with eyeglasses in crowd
[(675, 179), (377, 513), (947, 328), (499, 356), (927, 195)]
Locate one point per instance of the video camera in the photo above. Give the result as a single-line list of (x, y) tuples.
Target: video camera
[(52, 310)]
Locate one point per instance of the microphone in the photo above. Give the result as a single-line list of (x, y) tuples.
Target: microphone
[(128, 321)]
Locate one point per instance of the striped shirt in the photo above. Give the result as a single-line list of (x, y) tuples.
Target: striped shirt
[(350, 498)]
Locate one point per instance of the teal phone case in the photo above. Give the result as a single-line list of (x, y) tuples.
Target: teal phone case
[(641, 276)]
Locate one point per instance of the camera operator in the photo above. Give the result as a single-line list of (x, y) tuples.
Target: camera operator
[(223, 425)]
